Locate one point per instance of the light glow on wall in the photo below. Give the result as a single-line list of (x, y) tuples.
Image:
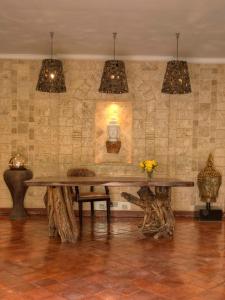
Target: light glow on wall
[(106, 114), (113, 112)]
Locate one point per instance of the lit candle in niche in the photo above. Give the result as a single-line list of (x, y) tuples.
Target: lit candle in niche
[(113, 143)]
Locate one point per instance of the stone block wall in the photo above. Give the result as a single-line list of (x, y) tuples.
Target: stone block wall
[(56, 132)]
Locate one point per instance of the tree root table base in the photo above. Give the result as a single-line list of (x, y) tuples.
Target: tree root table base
[(61, 218), (158, 218), (158, 215)]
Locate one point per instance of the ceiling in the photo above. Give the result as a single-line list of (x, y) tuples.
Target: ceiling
[(146, 28)]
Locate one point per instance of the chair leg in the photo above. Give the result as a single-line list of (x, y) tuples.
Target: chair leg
[(80, 204), (92, 209), (108, 211)]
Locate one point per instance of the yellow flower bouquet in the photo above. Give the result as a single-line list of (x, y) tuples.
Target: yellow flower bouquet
[(148, 166)]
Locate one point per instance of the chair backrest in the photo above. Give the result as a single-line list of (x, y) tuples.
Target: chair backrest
[(81, 172)]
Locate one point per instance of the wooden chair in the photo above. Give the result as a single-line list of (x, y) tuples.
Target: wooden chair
[(90, 196)]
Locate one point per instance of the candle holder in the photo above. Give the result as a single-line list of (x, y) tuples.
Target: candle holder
[(113, 144)]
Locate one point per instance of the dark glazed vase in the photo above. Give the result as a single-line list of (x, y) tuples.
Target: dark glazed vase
[(15, 181)]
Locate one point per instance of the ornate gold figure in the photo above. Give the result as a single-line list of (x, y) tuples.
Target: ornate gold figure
[(17, 162), (209, 181)]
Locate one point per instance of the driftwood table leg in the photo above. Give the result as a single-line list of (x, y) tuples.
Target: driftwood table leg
[(167, 220), (158, 215), (62, 222)]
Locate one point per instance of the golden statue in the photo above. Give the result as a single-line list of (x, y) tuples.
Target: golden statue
[(209, 181), (17, 162)]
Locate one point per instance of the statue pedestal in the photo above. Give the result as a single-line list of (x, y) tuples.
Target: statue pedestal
[(15, 182), (212, 214)]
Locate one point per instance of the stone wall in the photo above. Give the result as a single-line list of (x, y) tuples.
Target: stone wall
[(55, 132)]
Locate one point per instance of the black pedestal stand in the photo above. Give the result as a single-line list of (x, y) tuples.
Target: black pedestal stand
[(209, 213), (15, 182)]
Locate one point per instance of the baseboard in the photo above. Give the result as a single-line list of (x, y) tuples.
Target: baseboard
[(115, 213), (86, 213), (101, 213), (30, 211), (184, 214)]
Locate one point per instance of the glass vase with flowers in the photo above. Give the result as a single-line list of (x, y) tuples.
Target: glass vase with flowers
[(148, 166)]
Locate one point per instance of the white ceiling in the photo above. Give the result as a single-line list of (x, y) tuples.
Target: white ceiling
[(145, 28)]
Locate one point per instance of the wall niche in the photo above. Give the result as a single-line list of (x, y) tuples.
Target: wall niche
[(106, 112)]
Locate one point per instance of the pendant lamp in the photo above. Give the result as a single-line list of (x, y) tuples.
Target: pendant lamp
[(176, 79), (51, 78), (114, 79)]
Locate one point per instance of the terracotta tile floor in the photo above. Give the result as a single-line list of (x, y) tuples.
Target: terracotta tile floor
[(122, 265)]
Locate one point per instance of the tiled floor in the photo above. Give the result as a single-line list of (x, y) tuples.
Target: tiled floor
[(122, 265)]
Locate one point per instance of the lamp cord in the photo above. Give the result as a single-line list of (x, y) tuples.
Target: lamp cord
[(114, 44), (177, 36), (51, 36)]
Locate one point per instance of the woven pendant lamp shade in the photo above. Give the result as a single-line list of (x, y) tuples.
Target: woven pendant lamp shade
[(51, 78), (114, 78), (176, 80)]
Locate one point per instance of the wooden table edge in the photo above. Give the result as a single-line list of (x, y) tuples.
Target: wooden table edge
[(110, 183)]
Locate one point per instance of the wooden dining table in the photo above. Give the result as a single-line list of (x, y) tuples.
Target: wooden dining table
[(158, 215)]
